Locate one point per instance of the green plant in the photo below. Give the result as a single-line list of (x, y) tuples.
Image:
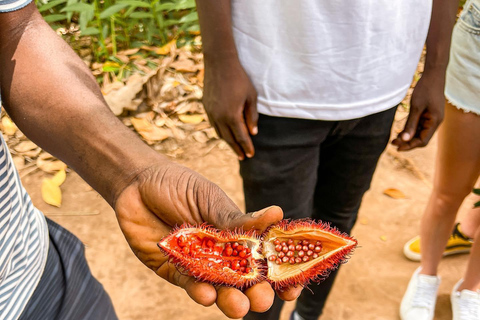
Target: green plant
[(114, 24)]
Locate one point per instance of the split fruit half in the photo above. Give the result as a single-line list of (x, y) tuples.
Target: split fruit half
[(288, 253)]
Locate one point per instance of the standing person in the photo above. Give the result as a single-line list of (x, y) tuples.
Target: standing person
[(54, 99), (457, 170), (305, 93)]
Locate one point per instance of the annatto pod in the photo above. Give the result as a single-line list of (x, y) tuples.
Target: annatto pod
[(288, 253)]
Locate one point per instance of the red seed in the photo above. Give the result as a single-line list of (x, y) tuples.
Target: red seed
[(235, 253), (298, 260), (182, 241), (276, 242), (301, 254), (315, 256), (283, 243), (279, 261), (285, 249), (306, 258), (309, 252), (292, 260), (305, 248), (234, 245), (285, 259), (210, 243), (272, 258), (311, 246), (298, 247), (228, 251), (240, 247), (235, 265), (242, 254), (290, 254), (226, 264), (281, 254), (186, 250), (290, 241), (244, 263), (278, 248), (228, 244), (291, 247), (306, 242), (247, 250), (248, 270), (317, 249)]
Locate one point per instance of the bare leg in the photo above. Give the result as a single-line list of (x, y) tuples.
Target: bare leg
[(471, 281), (457, 169), (471, 222)]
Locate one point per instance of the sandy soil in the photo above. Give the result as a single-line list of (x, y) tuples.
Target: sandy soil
[(370, 286)]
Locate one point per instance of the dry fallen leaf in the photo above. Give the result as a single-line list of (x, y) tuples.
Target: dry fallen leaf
[(59, 177), (191, 118), (148, 131), (25, 146), (185, 65), (49, 165), (8, 127), (166, 49), (394, 193)]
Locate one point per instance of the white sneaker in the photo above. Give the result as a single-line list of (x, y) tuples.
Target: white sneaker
[(465, 303), (419, 300)]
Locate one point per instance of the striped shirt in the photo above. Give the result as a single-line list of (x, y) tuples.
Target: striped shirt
[(23, 241), (12, 5), (23, 229)]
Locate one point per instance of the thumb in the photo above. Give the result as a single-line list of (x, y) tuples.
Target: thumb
[(412, 124), (251, 115), (258, 220)]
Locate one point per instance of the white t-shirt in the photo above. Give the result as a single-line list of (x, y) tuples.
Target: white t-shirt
[(330, 59)]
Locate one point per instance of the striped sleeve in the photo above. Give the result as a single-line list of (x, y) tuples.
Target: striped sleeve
[(12, 5)]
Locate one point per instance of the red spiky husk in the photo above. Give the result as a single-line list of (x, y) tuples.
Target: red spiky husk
[(206, 262)]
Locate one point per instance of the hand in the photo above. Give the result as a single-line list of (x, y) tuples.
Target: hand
[(231, 104), (168, 195), (426, 112)]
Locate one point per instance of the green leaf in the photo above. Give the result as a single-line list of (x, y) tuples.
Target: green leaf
[(55, 17), (84, 18), (476, 191), (90, 31), (477, 204), (110, 11), (141, 15), (50, 5), (192, 16), (135, 3), (78, 7)]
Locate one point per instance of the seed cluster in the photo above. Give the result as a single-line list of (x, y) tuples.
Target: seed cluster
[(233, 255), (294, 252)]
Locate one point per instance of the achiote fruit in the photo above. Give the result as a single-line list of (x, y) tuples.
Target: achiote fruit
[(288, 253)]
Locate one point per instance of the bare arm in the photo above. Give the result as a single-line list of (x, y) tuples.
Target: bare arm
[(229, 97), (428, 101), (53, 98)]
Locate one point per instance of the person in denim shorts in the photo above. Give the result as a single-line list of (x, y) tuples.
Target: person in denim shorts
[(457, 170)]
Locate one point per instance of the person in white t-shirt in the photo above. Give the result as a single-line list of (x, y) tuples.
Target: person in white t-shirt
[(305, 93)]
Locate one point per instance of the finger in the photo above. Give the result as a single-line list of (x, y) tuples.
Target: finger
[(259, 220), (290, 293), (412, 144), (240, 132), (251, 115), (261, 296), (233, 303), (227, 135), (412, 124)]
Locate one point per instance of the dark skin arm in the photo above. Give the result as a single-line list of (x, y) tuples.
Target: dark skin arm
[(428, 101), (53, 98), (229, 97)]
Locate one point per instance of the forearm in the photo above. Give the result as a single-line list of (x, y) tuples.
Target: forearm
[(439, 35), (215, 18), (53, 98)]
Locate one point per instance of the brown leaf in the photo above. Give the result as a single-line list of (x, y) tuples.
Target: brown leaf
[(129, 51), (394, 193), (148, 131), (49, 164), (191, 118), (185, 65), (25, 146)]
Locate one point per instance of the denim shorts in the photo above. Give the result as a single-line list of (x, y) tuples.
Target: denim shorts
[(463, 73)]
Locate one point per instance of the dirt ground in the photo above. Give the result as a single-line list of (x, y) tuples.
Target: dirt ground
[(369, 286)]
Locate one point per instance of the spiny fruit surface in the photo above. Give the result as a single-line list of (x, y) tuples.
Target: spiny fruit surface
[(288, 253)]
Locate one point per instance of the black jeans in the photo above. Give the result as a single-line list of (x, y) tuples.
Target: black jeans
[(317, 169)]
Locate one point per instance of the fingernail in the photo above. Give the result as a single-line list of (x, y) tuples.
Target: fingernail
[(406, 136), (240, 158), (255, 130), (257, 214), (249, 155)]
